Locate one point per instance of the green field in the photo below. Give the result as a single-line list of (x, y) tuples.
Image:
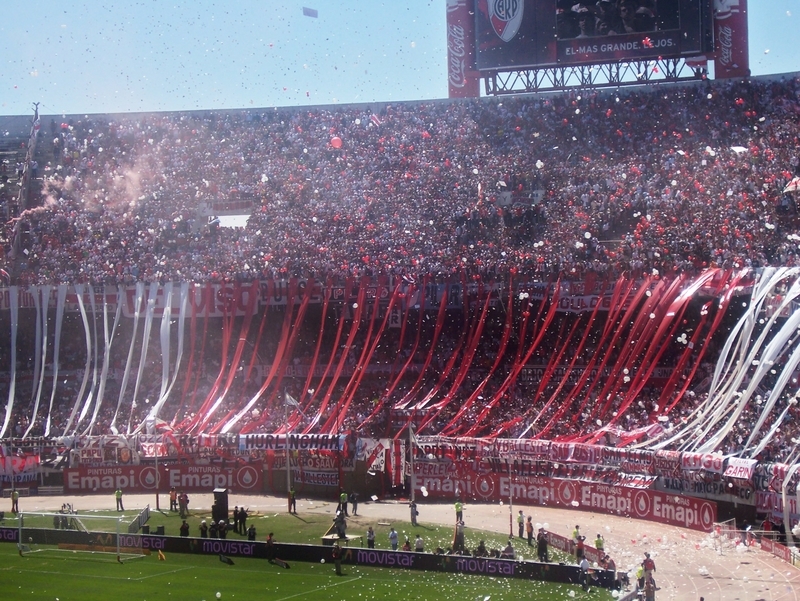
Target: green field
[(308, 528), (64, 576), (69, 576)]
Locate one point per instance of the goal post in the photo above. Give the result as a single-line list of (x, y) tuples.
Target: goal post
[(96, 535)]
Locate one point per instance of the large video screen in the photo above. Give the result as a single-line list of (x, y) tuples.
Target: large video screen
[(514, 34)]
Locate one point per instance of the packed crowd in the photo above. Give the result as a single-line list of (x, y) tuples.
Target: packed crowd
[(578, 185), (666, 180)]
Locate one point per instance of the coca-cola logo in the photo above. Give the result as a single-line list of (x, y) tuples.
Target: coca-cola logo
[(456, 50), (725, 35), (455, 40)]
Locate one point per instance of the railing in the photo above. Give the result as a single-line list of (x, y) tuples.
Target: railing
[(139, 521)]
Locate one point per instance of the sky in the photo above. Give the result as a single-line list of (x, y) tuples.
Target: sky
[(83, 57)]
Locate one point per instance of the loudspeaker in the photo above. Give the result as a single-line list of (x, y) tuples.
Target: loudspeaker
[(219, 511)]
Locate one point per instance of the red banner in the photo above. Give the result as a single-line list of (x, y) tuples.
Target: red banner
[(24, 468), (771, 503), (461, 79), (730, 35), (439, 481), (702, 461), (778, 550), (142, 478), (224, 299)]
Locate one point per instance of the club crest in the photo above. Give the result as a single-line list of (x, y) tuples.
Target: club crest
[(506, 17)]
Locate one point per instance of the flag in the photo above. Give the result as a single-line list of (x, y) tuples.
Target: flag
[(374, 118), (376, 462), (310, 12), (290, 401), (161, 556), (792, 186), (225, 559), (412, 436)]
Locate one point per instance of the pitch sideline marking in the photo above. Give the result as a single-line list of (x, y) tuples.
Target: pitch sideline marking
[(165, 573), (319, 588), (98, 576)]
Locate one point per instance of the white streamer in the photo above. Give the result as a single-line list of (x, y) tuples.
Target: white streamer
[(148, 324), (87, 336), (60, 302), (41, 349), (124, 384), (165, 347), (92, 396), (746, 360), (13, 300), (108, 338)]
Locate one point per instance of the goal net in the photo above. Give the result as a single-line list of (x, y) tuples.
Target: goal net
[(103, 537)]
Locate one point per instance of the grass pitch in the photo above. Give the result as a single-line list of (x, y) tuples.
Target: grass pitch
[(66, 576), (79, 577), (308, 528)]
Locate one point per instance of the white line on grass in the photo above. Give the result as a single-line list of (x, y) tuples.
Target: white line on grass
[(98, 576), (164, 573), (319, 588), (68, 574)]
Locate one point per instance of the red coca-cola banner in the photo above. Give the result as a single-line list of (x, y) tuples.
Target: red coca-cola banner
[(142, 478), (564, 544), (730, 35), (440, 481), (778, 550), (462, 81)]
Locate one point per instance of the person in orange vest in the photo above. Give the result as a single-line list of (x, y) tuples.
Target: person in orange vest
[(529, 530), (173, 499)]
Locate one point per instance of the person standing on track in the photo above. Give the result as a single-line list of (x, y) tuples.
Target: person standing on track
[(529, 530), (649, 567)]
